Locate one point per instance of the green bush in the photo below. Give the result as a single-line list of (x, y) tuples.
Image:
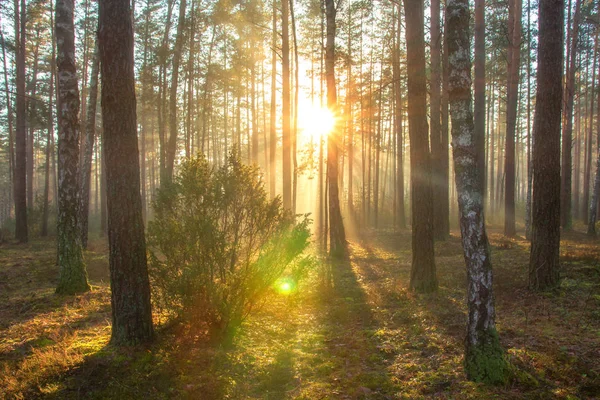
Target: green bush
[(218, 244)]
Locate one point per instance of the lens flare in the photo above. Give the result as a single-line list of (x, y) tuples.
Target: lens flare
[(285, 286)]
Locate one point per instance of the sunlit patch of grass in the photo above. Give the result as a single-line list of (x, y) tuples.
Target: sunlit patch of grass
[(365, 337)]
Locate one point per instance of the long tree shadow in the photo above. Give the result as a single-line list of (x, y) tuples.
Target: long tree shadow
[(358, 364), (530, 324)]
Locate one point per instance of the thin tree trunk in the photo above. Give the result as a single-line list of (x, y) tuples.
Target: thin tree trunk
[(273, 121), (398, 125), (590, 134), (350, 119), (514, 58), (479, 91), (31, 105), (88, 151), (173, 126), (529, 132), (337, 238), (286, 128), (567, 139), (20, 171), (440, 230), (50, 140), (294, 136), (9, 120)]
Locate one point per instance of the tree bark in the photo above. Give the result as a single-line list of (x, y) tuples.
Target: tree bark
[(286, 126), (273, 113), (130, 288), (423, 273), (9, 120), (479, 91), (173, 127), (50, 141), (588, 147), (398, 125), (514, 62), (440, 226), (484, 357), (31, 109), (567, 140), (73, 276), (88, 151), (20, 171), (337, 234), (545, 230)]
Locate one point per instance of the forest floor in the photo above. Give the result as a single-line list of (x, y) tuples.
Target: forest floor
[(367, 337)]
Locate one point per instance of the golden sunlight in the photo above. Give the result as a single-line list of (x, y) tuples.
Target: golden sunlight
[(315, 121)]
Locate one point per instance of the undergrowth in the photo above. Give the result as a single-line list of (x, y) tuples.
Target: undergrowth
[(364, 337)]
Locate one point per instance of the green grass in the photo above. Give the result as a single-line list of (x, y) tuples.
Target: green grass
[(366, 336)]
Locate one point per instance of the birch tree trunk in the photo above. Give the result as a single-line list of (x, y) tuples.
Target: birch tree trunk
[(130, 288), (545, 228), (484, 357), (73, 276)]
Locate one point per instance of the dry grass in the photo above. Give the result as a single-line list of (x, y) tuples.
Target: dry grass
[(366, 336)]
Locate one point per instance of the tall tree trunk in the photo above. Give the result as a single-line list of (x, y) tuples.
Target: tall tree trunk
[(588, 147), (50, 141), (514, 62), (567, 139), (423, 275), (294, 144), (31, 105), (444, 160), (253, 106), (273, 112), (398, 124), (337, 234), (350, 119), (484, 357), (440, 227), (479, 91), (545, 230), (286, 128), (20, 171), (173, 127), (88, 151), (130, 288), (529, 132), (9, 120), (73, 276)]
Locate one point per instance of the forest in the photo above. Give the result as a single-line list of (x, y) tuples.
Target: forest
[(299, 199)]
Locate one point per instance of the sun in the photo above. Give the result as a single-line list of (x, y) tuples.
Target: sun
[(315, 121)]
